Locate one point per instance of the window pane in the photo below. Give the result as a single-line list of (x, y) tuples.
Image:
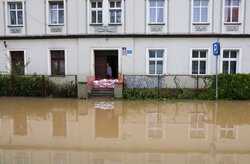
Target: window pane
[(99, 16), (54, 67), (200, 121), (233, 67), (233, 54), (19, 6), (228, 2), (159, 67), (118, 4), (62, 67), (227, 14), (202, 67), (152, 15), (53, 17), (159, 54), (12, 6), (60, 5), (235, 15), (112, 16), (118, 17), (152, 54), (226, 54), (13, 17), (236, 2), (204, 14), (53, 6), (203, 54), (225, 66), (152, 3), (196, 14), (160, 15), (204, 3), (93, 16), (112, 4), (61, 16), (196, 2), (151, 67), (20, 17), (195, 67), (99, 4), (195, 54), (93, 4), (160, 3)]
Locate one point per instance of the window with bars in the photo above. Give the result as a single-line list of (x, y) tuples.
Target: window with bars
[(57, 63), (16, 14), (229, 62), (197, 126), (232, 11), (156, 11), (200, 11), (17, 62), (115, 12), (227, 131), (155, 129), (199, 60), (156, 62), (96, 12), (56, 13)]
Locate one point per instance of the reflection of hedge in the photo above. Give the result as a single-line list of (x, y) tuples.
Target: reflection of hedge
[(34, 86)]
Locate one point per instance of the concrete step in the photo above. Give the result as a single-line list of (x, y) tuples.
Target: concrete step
[(102, 92)]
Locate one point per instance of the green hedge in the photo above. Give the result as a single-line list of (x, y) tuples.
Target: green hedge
[(34, 86)]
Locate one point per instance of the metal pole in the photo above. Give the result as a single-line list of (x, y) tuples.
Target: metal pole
[(216, 77)]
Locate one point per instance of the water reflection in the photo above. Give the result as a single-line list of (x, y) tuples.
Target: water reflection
[(64, 131)]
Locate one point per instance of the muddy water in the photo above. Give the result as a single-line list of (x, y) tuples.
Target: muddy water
[(102, 131)]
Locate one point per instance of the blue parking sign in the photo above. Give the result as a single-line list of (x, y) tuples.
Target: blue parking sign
[(216, 48)]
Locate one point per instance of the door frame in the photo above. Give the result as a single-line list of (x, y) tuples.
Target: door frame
[(92, 71)]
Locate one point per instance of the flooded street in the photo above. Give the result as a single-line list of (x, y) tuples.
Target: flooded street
[(106, 131)]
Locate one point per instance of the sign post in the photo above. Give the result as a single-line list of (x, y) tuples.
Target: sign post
[(216, 52)]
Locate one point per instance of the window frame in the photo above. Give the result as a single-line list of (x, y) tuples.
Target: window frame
[(204, 129), (156, 7), (155, 128), (231, 13), (234, 129), (164, 71), (237, 59), (57, 9), (200, 59), (200, 14), (115, 9), (49, 68), (96, 9), (16, 13), (9, 64)]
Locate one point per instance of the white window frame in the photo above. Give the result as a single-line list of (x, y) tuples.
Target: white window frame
[(237, 59), (231, 16), (200, 7), (234, 129), (16, 12), (154, 128), (164, 71), (115, 9), (96, 10), (57, 9), (156, 7), (200, 59), (196, 129), (49, 60)]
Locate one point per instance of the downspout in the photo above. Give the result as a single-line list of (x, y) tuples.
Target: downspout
[(4, 18), (145, 17), (221, 8), (86, 16), (25, 12), (190, 19), (45, 17), (125, 16), (168, 17), (245, 15), (67, 23), (213, 17)]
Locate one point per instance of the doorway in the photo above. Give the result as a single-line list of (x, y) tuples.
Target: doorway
[(102, 57)]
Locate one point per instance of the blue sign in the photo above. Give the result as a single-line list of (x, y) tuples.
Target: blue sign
[(216, 48)]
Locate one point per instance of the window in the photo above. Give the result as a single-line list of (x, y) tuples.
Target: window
[(199, 58), (227, 131), (115, 11), (197, 126), (16, 14), (232, 10), (56, 13), (155, 129), (156, 62), (96, 12), (200, 11), (17, 62), (229, 62), (57, 63), (156, 11)]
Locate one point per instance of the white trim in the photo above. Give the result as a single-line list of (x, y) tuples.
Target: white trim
[(115, 9), (234, 129), (49, 59), (238, 62), (164, 60), (205, 129), (147, 128), (9, 59), (208, 64), (208, 12), (156, 7)]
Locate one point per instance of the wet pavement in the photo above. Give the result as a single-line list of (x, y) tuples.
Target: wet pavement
[(105, 131)]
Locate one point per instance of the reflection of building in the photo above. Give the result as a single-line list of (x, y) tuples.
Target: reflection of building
[(145, 133)]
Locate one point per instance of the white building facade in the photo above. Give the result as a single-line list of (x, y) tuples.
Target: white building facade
[(137, 37)]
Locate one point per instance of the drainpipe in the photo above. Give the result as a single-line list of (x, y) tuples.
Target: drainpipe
[(86, 16), (125, 17), (221, 8), (190, 19), (168, 16), (213, 17), (25, 13), (145, 17), (67, 23), (245, 15), (45, 17), (4, 18)]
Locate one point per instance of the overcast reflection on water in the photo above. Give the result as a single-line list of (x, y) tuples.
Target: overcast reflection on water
[(105, 131)]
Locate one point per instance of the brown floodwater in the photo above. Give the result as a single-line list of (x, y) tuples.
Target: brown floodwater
[(106, 131)]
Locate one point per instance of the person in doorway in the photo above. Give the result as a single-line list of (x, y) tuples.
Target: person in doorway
[(109, 71)]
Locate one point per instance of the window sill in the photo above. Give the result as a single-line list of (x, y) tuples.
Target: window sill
[(58, 75), (200, 23), (156, 23), (96, 24), (232, 23), (15, 26), (56, 25), (115, 24)]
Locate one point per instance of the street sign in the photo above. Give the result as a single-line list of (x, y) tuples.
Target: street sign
[(216, 48)]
